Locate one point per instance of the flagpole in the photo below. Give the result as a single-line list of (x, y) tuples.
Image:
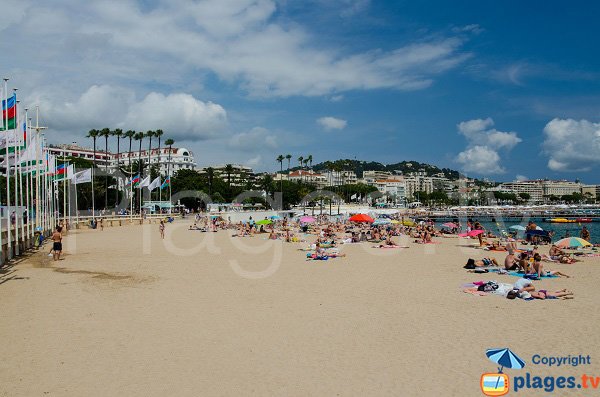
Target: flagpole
[(64, 189), (5, 99), (27, 189), (18, 196), (8, 213), (76, 205)]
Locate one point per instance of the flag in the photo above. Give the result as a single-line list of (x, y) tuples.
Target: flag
[(83, 176), (9, 110), (70, 172), (61, 169), (135, 180), (28, 155), (155, 183), (166, 183), (353, 196), (145, 182)]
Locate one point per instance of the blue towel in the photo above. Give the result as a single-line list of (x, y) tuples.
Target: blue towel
[(532, 276)]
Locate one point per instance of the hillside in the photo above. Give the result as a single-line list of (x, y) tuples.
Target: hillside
[(404, 167)]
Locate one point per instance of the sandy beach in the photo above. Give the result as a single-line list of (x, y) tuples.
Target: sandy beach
[(128, 314)]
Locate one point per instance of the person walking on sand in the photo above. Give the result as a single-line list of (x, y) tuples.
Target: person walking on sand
[(161, 227), (101, 224), (57, 243)]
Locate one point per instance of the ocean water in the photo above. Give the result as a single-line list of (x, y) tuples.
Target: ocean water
[(559, 228)]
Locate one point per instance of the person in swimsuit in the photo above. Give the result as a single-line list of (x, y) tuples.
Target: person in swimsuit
[(57, 243), (161, 227)]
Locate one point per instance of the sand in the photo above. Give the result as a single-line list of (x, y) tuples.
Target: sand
[(126, 314)]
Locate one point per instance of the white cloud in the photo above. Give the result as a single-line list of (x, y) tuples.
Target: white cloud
[(483, 142), (572, 145), (480, 160), (256, 138), (479, 132), (185, 117), (181, 116), (243, 42), (521, 178), (254, 161), (331, 123)]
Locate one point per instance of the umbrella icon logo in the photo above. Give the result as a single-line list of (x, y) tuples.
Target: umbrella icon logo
[(497, 384)]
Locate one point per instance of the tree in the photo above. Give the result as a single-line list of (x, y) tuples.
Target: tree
[(105, 133), (288, 158), (524, 196), (94, 135), (210, 173), (139, 136), (149, 135), (129, 134), (300, 160), (279, 159), (310, 160), (169, 142), (229, 171), (118, 133)]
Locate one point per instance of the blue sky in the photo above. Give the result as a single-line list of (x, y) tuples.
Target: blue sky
[(502, 90)]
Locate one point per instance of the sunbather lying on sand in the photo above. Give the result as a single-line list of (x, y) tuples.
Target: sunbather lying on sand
[(485, 262)]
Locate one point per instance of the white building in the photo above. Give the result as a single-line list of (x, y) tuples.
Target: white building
[(541, 190), (178, 158), (338, 178), (416, 183), (392, 188), (591, 191), (240, 175), (308, 177)]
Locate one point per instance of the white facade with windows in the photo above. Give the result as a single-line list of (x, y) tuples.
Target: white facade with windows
[(178, 158)]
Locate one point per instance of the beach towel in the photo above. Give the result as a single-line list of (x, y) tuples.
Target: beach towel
[(388, 246), (517, 274)]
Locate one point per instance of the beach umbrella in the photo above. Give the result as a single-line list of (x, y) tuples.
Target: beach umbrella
[(307, 219), (264, 222), (275, 217), (408, 222), (572, 242), (472, 233), (395, 222), (451, 225), (517, 227), (505, 358), (382, 221), (361, 218)]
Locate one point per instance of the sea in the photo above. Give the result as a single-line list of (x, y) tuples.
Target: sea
[(559, 229)]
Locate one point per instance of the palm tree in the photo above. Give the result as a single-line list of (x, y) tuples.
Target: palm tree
[(94, 135), (105, 133), (158, 134), (129, 134), (118, 133), (139, 136), (300, 159), (169, 142), (310, 159), (279, 159), (210, 173), (149, 134), (288, 158), (229, 171)]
